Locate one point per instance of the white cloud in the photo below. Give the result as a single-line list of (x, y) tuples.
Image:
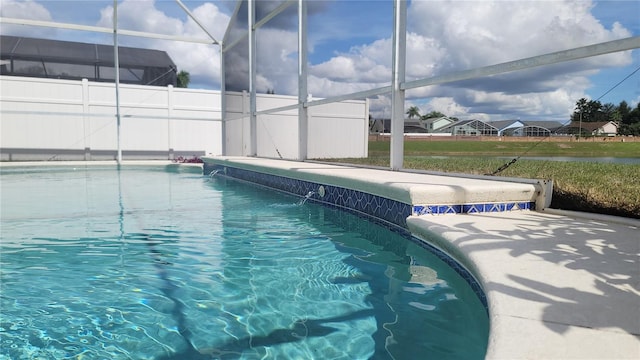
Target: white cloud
[(24, 10), (141, 15), (445, 105), (277, 52), (484, 33)]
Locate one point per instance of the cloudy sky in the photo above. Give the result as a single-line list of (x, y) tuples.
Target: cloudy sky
[(350, 48)]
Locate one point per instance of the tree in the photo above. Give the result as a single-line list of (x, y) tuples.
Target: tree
[(631, 125), (591, 111), (624, 110), (183, 79), (433, 114), (608, 110), (413, 112), (588, 111), (634, 115)]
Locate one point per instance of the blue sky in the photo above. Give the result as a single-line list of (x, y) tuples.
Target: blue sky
[(350, 40)]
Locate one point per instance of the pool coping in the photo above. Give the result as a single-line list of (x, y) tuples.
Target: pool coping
[(165, 164), (545, 301)]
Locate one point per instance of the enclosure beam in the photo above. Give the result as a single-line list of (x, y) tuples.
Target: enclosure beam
[(303, 92), (531, 62), (397, 79), (253, 145), (186, 9), (98, 29), (282, 7)]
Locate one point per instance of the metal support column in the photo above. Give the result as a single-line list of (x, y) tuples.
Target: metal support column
[(398, 78), (116, 65), (223, 103), (303, 114), (253, 151)]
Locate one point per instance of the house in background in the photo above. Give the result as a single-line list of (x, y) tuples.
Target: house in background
[(433, 124), (540, 128), (602, 128), (469, 128), (474, 127), (412, 126), (506, 125)]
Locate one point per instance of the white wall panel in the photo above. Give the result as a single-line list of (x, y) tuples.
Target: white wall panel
[(40, 117), (335, 130), (277, 136), (344, 125), (51, 114)]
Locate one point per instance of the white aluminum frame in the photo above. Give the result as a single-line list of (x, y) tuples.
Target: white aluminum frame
[(396, 89)]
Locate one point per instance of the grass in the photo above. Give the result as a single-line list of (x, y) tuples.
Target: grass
[(498, 148), (584, 186)]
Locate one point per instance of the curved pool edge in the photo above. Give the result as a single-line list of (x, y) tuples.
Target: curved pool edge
[(558, 285)]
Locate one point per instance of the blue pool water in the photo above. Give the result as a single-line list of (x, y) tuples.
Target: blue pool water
[(151, 264)]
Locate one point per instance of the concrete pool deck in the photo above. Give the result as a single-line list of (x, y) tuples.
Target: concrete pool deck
[(559, 285)]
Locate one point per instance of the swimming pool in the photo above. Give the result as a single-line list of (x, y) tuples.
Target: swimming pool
[(144, 263)]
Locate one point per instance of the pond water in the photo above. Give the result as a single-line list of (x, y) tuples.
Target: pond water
[(608, 160)]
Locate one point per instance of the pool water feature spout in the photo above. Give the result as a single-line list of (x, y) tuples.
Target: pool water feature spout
[(213, 173), (306, 197)]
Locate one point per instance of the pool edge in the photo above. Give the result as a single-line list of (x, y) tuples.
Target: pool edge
[(505, 329)]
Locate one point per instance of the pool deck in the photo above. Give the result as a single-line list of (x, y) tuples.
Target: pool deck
[(559, 285)]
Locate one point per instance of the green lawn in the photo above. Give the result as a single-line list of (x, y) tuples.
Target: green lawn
[(584, 186), (608, 148)]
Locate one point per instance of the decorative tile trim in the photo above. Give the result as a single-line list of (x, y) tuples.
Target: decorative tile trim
[(470, 208), (379, 207)]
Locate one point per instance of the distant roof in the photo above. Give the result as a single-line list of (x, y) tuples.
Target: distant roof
[(472, 122), (60, 56), (549, 125), (81, 52), (591, 126), (501, 124)]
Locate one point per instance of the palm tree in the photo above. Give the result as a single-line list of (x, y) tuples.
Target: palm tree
[(413, 112), (183, 79), (433, 114)]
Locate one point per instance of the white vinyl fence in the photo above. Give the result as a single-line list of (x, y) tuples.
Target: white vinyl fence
[(51, 119), (335, 130)]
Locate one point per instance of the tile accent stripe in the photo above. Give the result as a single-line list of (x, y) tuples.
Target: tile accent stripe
[(385, 209), (470, 208), (382, 208)]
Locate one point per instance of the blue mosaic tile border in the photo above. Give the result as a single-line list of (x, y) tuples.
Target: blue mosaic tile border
[(385, 209), (389, 210), (471, 208)]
